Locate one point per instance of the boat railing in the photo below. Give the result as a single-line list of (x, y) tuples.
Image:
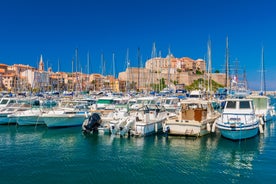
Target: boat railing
[(240, 118)]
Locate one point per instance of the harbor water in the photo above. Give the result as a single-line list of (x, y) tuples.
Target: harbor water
[(30, 154)]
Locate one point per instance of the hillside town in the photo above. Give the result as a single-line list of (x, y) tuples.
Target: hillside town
[(158, 73)]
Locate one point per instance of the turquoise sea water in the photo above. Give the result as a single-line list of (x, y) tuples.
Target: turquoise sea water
[(41, 155)]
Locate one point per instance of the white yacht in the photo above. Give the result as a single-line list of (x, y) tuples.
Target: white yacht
[(68, 113), (7, 112), (238, 119), (29, 117), (142, 122)]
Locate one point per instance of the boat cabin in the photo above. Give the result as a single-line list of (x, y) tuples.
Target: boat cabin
[(238, 105), (193, 111)]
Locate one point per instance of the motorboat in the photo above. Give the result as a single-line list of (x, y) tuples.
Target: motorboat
[(11, 108), (144, 121), (29, 117), (238, 119), (196, 118), (68, 113)]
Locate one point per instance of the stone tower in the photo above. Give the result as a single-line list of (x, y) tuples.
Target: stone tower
[(41, 64)]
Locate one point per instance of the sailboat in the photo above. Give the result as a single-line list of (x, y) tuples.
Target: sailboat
[(261, 101)]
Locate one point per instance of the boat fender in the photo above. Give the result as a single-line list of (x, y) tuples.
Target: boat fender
[(261, 129), (214, 127), (166, 129), (262, 120), (208, 127)]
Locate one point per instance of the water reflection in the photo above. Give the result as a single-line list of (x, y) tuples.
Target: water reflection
[(13, 134), (157, 158)]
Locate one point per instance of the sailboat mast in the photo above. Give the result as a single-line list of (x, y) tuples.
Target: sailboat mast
[(81, 79), (169, 64), (103, 69), (263, 86), (88, 67), (72, 73), (113, 65), (153, 56), (245, 79), (128, 73), (160, 71), (226, 64), (139, 58), (76, 55), (58, 77), (209, 66)]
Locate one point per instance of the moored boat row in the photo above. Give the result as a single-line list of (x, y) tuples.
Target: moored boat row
[(142, 116)]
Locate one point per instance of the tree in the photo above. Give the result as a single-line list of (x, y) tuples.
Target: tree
[(198, 72)]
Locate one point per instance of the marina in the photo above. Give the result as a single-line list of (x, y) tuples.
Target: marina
[(137, 92), (29, 153)]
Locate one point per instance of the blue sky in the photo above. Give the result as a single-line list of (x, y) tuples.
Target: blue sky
[(56, 28)]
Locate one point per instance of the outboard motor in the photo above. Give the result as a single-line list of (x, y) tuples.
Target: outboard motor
[(92, 124)]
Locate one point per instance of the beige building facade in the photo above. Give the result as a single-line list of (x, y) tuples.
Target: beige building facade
[(170, 69)]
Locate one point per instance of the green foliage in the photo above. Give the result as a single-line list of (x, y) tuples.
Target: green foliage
[(159, 86), (201, 84), (198, 72)]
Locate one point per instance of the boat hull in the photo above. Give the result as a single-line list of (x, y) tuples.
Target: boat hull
[(30, 120), (144, 129), (63, 121), (239, 132), (188, 128), (4, 119)]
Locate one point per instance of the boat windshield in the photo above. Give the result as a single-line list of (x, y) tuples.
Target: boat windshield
[(139, 102), (4, 101), (231, 105), (120, 102), (244, 105), (131, 102), (194, 96), (193, 106)]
